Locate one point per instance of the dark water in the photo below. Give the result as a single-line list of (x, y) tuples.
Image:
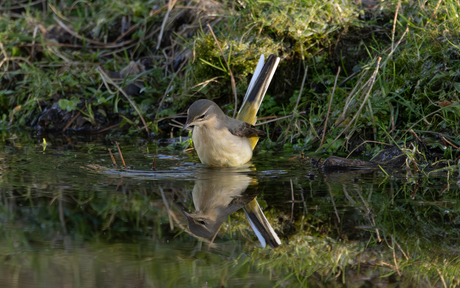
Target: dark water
[(70, 219)]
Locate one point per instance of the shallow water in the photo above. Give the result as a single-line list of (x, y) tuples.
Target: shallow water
[(70, 219)]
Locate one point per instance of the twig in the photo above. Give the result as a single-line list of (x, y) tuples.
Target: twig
[(121, 155), (113, 158), (108, 79), (230, 70), (154, 163), (329, 109), (362, 104), (447, 141), (296, 104)]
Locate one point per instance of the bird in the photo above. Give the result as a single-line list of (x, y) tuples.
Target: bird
[(219, 192), (222, 141)]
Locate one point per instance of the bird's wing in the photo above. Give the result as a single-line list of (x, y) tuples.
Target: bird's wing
[(256, 91), (260, 225), (246, 130)]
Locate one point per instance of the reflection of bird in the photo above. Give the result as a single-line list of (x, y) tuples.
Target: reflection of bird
[(217, 194), (221, 140)]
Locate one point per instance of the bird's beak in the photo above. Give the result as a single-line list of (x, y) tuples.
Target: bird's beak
[(186, 125), (186, 214)]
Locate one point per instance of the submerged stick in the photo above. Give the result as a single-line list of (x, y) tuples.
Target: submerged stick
[(296, 104), (154, 163), (113, 158), (329, 109), (121, 155), (230, 70)]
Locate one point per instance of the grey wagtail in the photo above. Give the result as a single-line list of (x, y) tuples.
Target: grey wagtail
[(221, 140), (218, 193)]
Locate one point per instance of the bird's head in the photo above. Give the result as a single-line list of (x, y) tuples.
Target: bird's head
[(202, 226), (201, 112)]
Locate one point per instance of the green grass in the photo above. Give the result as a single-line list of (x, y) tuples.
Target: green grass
[(417, 69)]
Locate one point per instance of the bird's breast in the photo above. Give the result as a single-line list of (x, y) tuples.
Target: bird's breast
[(219, 147)]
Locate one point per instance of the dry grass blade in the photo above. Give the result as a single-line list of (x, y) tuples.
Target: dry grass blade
[(106, 78), (20, 6), (447, 141), (167, 90), (394, 25), (279, 118), (165, 19), (394, 255), (71, 120), (374, 75), (230, 70), (296, 104), (367, 141), (99, 44), (329, 109)]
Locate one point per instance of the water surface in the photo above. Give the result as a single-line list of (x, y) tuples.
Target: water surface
[(70, 219)]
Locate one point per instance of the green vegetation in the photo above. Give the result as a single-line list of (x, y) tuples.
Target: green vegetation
[(50, 55), (99, 66)]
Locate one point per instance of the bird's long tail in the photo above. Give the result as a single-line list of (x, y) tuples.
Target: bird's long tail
[(256, 91), (260, 225), (258, 86)]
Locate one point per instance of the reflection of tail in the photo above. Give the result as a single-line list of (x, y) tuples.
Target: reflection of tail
[(260, 225), (256, 91)]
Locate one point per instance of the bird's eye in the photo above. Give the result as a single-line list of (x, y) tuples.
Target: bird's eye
[(201, 117), (202, 222)]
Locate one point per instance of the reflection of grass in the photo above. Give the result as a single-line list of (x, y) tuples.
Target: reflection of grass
[(419, 236)]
